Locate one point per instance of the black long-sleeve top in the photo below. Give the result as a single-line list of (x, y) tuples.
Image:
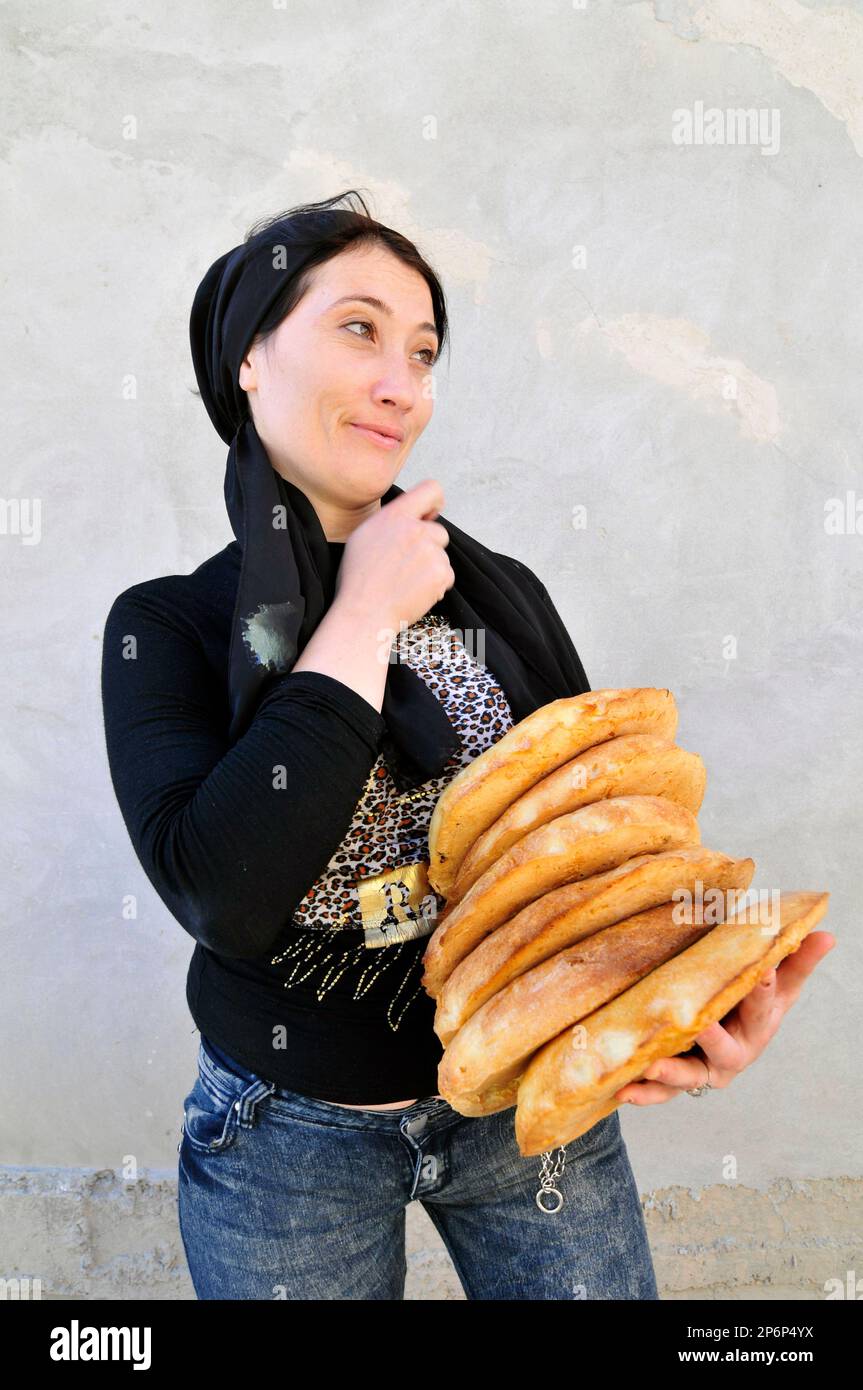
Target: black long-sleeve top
[(255, 848)]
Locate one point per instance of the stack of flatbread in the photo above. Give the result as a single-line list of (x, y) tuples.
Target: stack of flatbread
[(587, 932)]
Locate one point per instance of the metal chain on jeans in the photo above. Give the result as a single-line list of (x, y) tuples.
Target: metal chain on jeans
[(547, 1179), (548, 1174)]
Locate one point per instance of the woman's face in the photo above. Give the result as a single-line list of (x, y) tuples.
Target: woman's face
[(332, 365)]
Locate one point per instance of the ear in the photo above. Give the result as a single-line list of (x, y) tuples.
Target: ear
[(248, 374)]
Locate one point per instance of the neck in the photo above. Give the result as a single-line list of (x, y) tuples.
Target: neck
[(338, 523)]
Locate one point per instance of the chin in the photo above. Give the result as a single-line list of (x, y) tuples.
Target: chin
[(369, 489), (368, 477)]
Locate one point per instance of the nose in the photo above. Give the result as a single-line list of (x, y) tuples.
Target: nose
[(396, 387)]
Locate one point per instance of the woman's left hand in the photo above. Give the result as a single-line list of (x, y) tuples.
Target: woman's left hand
[(741, 1036)]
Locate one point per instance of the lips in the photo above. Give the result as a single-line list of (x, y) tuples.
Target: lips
[(386, 441)]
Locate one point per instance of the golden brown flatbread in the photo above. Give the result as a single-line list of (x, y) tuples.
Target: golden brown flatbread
[(483, 1065), (571, 1082), (642, 764), (588, 841), (568, 914), (532, 748)]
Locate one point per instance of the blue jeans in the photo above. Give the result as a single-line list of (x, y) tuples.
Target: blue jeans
[(286, 1197)]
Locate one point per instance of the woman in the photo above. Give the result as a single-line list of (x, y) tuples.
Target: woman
[(277, 769)]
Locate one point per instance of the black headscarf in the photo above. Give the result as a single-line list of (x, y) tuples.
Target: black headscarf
[(285, 583)]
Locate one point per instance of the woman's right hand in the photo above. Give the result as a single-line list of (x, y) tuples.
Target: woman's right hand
[(395, 563)]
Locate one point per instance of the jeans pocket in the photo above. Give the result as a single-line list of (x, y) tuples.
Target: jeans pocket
[(210, 1117)]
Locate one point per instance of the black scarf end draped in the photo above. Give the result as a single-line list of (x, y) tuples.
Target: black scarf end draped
[(286, 572)]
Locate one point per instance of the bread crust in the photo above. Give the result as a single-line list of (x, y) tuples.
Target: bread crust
[(483, 1065), (533, 747), (571, 1082), (632, 763), (591, 840), (566, 915)]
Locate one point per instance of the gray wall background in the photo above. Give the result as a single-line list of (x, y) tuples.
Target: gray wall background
[(666, 334)]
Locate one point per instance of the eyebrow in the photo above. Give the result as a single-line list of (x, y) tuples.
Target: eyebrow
[(383, 308)]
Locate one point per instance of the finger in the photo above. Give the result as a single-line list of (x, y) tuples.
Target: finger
[(757, 1010), (794, 969), (679, 1072), (437, 532), (423, 497), (721, 1049), (760, 1012), (646, 1093)]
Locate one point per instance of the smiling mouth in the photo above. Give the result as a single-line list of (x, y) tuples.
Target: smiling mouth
[(386, 441)]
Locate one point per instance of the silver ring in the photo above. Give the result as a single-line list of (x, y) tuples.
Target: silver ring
[(705, 1086), (552, 1192)]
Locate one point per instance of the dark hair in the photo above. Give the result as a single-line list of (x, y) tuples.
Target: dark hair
[(313, 226)]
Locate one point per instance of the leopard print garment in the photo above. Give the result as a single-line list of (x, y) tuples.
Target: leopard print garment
[(389, 830)]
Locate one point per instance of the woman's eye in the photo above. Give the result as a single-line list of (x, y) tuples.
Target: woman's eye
[(363, 323)]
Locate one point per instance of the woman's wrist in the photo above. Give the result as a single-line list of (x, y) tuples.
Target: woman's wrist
[(351, 644)]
